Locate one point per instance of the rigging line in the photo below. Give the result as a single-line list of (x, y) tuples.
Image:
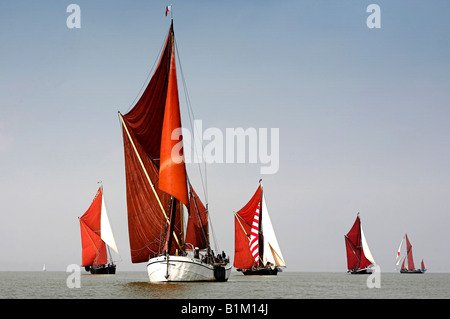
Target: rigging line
[(216, 244), (191, 117), (199, 218)]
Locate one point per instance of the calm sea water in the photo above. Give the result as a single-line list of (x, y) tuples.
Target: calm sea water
[(287, 285)]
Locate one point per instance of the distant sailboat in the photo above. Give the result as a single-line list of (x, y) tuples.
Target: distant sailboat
[(158, 186), (407, 260), (359, 257), (97, 238), (256, 247), (44, 268)]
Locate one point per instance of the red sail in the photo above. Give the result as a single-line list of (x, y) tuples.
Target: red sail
[(197, 226), (410, 255), (355, 254), (93, 247), (148, 215), (243, 258), (172, 176)]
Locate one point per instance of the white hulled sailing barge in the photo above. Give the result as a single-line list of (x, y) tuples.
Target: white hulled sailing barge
[(158, 186)]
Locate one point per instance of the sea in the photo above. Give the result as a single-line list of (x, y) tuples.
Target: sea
[(243, 295)]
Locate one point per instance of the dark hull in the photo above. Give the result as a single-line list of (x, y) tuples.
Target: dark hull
[(260, 271), (101, 270), (365, 271), (415, 271)]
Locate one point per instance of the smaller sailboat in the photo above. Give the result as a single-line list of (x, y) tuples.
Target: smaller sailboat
[(256, 247), (407, 260), (359, 257), (97, 238)]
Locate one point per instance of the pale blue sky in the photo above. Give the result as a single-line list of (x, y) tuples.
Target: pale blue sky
[(363, 118)]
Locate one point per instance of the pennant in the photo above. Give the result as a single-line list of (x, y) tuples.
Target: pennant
[(168, 8)]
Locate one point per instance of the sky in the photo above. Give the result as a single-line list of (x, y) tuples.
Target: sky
[(362, 115)]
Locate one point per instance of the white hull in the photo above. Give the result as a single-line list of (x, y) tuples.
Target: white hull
[(182, 268)]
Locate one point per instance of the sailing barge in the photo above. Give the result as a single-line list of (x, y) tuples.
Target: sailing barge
[(256, 247), (407, 260), (157, 186), (97, 238), (359, 257)]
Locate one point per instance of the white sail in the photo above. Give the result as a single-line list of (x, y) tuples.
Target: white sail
[(399, 257), (365, 247), (105, 228), (272, 251)]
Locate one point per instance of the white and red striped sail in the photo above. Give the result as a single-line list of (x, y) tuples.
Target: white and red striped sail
[(254, 236)]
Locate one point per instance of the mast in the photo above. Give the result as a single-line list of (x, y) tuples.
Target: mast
[(260, 230)]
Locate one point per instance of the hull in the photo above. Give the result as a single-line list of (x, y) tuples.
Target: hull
[(102, 270), (260, 271), (365, 271), (185, 268), (415, 271)]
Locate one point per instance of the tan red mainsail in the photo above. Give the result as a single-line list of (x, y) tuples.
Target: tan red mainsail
[(156, 180), (172, 170)]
